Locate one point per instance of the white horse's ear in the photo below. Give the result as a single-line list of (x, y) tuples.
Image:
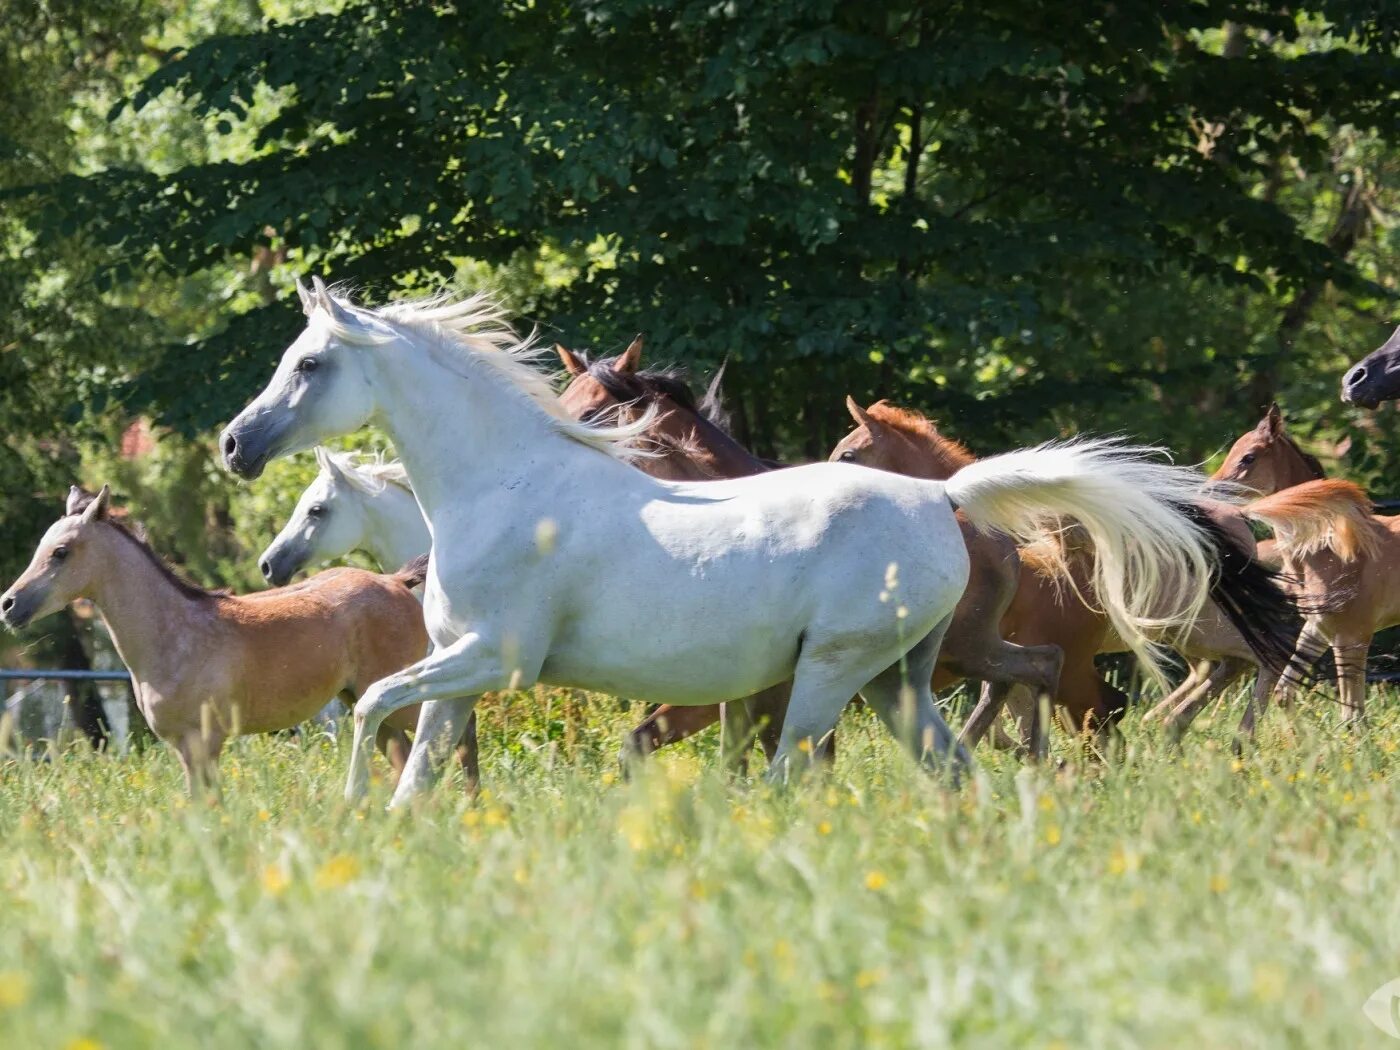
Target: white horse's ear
[(327, 462), (308, 304), (339, 314), (572, 364), (631, 358), (97, 509), (75, 497)]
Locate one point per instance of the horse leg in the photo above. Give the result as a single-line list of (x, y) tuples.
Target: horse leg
[(1310, 645), (1186, 710), (668, 724), (469, 758), (1349, 651), (391, 741), (736, 734), (199, 757), (902, 697), (1196, 674), (448, 683), (769, 707)]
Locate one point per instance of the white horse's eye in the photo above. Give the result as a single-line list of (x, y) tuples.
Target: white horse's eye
[(315, 510), (308, 364)]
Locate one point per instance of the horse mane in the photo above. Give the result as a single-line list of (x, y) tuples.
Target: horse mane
[(366, 473), (908, 421), (474, 330), (1309, 460), (648, 385), (185, 586)]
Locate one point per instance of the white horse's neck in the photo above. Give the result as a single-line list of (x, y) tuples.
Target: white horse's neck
[(395, 532), (458, 427)]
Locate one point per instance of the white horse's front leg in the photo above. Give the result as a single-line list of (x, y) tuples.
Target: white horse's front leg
[(440, 726), (458, 672)]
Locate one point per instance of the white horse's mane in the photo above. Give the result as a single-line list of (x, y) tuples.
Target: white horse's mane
[(367, 472), (475, 329)]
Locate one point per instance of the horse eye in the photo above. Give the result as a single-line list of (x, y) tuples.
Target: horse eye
[(1247, 458), (308, 364), (848, 455), (315, 510), (60, 552)]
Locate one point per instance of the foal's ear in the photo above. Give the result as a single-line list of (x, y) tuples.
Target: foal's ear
[(97, 509), (572, 364), (75, 498), (339, 314), (308, 304), (631, 358), (1272, 423), (860, 415)]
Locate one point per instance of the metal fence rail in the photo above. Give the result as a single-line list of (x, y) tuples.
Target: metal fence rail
[(48, 674)]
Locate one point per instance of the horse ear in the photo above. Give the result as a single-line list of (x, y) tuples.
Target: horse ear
[(327, 302), (97, 509), (308, 304), (1271, 424), (860, 415), (631, 358), (572, 364), (75, 497), (326, 461)]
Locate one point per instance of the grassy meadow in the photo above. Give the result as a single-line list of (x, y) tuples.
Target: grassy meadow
[(1171, 898)]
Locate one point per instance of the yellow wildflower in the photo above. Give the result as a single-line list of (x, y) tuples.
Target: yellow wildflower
[(14, 989), (875, 880), (275, 880), (337, 872)]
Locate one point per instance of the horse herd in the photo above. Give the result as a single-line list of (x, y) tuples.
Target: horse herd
[(618, 539)]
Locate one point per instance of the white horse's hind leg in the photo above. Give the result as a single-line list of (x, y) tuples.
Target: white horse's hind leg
[(903, 698)]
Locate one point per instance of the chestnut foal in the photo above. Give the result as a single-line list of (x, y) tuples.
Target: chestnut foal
[(206, 665), (692, 446)]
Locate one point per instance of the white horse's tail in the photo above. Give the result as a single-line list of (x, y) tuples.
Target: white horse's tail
[(1153, 565)]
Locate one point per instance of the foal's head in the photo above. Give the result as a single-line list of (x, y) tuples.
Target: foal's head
[(1268, 459), (328, 522), (65, 564), (899, 440)]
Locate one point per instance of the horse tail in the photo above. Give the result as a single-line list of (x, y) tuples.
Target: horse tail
[(414, 573), (1329, 514), (1154, 563)]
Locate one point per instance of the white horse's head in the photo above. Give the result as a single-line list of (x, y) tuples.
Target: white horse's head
[(321, 388), (329, 522)]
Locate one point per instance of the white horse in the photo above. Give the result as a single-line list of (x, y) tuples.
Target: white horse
[(354, 504), (554, 561)]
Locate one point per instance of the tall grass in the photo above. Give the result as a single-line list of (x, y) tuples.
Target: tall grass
[(1171, 898)]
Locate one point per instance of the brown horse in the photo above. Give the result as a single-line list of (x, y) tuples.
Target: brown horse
[(1266, 459), (1349, 562), (207, 666), (1049, 607)]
